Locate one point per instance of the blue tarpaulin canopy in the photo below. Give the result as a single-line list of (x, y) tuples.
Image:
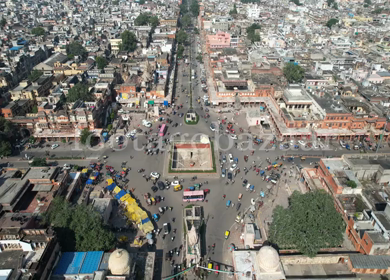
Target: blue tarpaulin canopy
[(144, 221), (96, 174), (120, 194), (89, 181), (111, 187), (165, 103)]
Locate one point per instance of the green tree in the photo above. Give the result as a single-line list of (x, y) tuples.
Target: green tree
[(109, 127), (85, 133), (293, 72), (34, 109), (351, 184), (180, 51), (233, 11), (141, 2), (199, 58), (183, 9), (194, 8), (38, 31), (32, 140), (101, 62), (332, 22), (35, 74), (196, 30), (3, 22), (115, 2), (146, 19), (310, 223), (251, 32), (185, 21), (79, 92), (37, 161), (377, 11), (76, 49), (296, 2), (79, 228), (181, 37), (129, 41), (5, 148)]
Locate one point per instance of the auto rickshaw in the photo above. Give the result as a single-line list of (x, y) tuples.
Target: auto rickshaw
[(303, 158), (228, 203), (177, 188), (210, 266), (227, 233), (246, 158), (239, 197), (244, 183)]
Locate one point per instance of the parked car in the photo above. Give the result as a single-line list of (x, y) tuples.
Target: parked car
[(54, 146), (230, 158), (223, 174)]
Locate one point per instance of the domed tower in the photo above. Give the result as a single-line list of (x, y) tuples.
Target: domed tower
[(119, 262), (268, 259)]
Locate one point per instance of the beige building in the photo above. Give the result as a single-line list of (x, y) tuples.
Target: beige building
[(115, 43)]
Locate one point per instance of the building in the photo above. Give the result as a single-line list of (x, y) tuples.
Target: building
[(262, 264), (220, 40)]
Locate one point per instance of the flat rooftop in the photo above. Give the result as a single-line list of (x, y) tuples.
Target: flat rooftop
[(296, 94)]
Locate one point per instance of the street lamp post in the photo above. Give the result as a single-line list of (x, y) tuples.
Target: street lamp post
[(382, 135)]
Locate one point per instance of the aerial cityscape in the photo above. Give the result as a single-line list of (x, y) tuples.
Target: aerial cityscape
[(193, 139)]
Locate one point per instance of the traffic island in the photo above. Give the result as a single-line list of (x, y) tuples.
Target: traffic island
[(192, 157), (191, 118)]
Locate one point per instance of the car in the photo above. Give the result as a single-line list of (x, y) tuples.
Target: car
[(175, 183), (301, 142), (166, 228), (212, 127), (224, 158), (67, 166), (233, 136), (223, 173), (233, 167), (161, 185), (231, 158), (342, 143), (230, 176), (54, 146), (315, 145), (155, 175), (286, 145), (154, 189), (146, 123), (119, 139)]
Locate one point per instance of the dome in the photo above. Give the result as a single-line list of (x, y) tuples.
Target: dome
[(268, 259), (119, 262)]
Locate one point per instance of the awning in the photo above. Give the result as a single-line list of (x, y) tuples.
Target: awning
[(368, 139), (89, 182), (109, 181), (151, 102), (117, 189), (85, 170), (120, 194), (165, 103), (111, 187)]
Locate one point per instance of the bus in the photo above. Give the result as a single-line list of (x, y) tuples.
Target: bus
[(193, 196), (163, 129)]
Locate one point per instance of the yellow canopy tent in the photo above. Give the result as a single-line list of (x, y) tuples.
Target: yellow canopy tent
[(125, 197), (109, 181), (85, 170), (117, 189)]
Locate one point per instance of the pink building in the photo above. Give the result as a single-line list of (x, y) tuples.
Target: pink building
[(220, 40)]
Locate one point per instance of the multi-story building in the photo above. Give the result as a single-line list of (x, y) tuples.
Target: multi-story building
[(220, 40)]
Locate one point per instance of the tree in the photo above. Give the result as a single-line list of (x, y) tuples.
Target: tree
[(109, 127), (34, 109), (296, 2), (310, 223), (38, 31), (35, 74), (101, 62), (199, 58), (76, 49), (32, 140), (196, 30), (115, 2), (181, 37), (5, 148), (293, 72), (38, 162), (180, 51), (352, 184), (79, 228), (85, 133), (332, 22), (194, 8), (3, 22), (146, 19), (332, 4), (251, 32), (129, 41), (185, 21), (79, 92), (141, 2), (233, 11)]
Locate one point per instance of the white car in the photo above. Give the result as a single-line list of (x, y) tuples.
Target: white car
[(146, 123), (155, 175), (315, 145), (233, 136), (342, 143), (230, 158), (212, 127), (131, 133), (233, 167), (175, 183), (54, 146), (302, 142), (66, 166)]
